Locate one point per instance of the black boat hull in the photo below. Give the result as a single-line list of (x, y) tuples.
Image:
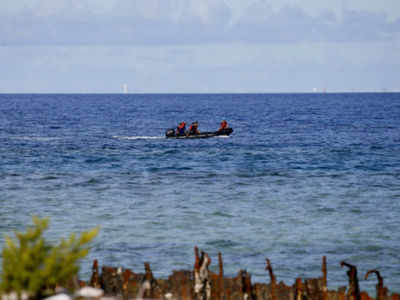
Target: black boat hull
[(170, 134)]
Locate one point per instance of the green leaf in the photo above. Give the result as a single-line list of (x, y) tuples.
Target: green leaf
[(33, 265)]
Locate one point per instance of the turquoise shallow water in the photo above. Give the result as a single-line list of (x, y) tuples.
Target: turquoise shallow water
[(302, 176)]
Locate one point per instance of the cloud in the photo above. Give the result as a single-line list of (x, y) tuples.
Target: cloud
[(160, 22), (124, 22), (293, 24), (198, 46)]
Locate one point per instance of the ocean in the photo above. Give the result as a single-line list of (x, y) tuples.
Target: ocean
[(302, 176)]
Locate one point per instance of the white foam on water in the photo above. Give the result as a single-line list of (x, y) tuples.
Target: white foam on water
[(38, 138), (138, 137)]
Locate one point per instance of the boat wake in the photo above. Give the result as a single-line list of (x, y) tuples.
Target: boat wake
[(38, 138), (138, 137)]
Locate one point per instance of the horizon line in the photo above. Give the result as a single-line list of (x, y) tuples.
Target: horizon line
[(199, 93)]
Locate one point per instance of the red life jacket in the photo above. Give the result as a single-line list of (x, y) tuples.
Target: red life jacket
[(181, 128), (224, 125)]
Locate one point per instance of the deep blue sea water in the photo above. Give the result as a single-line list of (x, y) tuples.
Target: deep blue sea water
[(302, 176)]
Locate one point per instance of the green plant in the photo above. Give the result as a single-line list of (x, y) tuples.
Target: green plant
[(33, 265)]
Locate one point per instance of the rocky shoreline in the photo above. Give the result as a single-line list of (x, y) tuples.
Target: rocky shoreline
[(202, 284)]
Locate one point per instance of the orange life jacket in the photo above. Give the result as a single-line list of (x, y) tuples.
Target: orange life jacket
[(192, 129)]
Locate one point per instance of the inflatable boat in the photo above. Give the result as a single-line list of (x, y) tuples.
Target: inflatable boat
[(170, 134)]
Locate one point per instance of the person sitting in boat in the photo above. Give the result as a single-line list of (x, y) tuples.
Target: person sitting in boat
[(194, 128), (224, 125), (181, 129)]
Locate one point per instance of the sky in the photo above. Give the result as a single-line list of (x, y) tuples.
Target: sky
[(199, 46)]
